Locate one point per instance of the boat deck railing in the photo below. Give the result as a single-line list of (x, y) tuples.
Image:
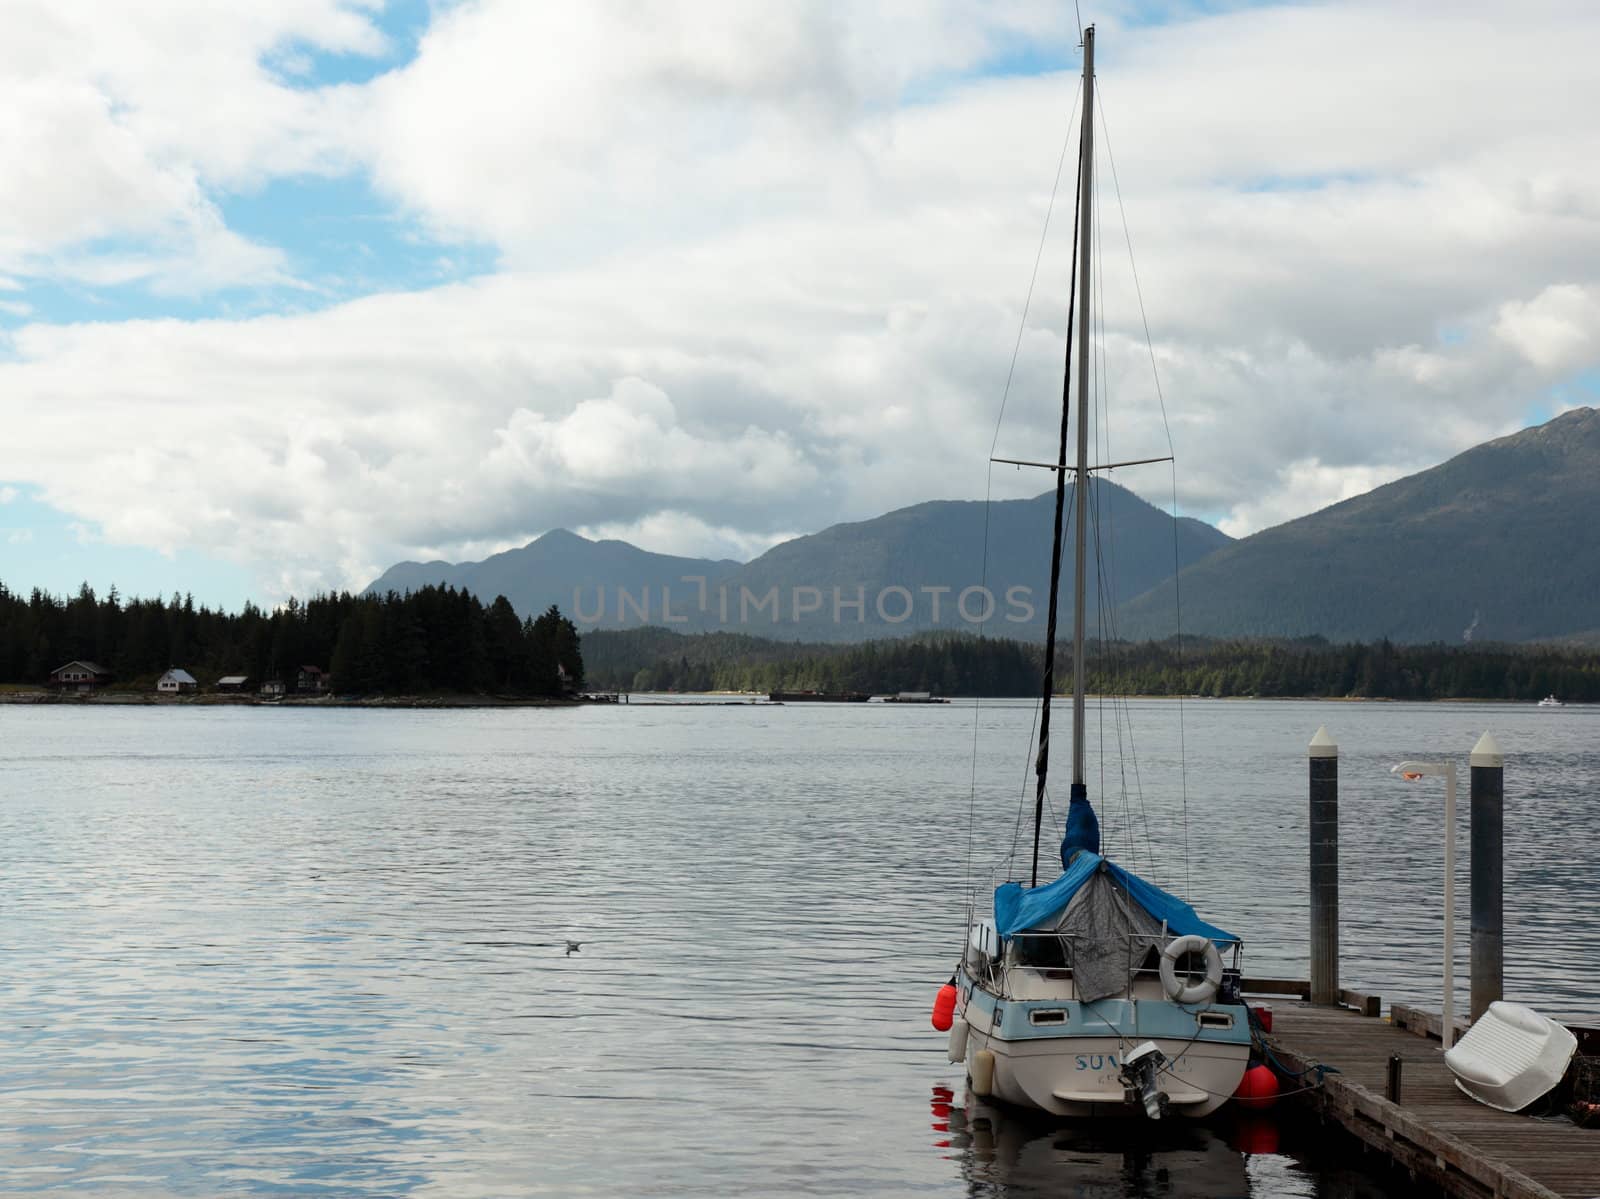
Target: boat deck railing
[(1143, 957)]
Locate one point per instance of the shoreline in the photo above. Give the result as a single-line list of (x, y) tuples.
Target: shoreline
[(128, 699), (132, 699)]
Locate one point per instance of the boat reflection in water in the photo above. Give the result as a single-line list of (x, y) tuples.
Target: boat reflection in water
[(1012, 1152), (1007, 1152)]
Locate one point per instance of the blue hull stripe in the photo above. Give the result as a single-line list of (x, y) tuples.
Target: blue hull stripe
[(1129, 1019)]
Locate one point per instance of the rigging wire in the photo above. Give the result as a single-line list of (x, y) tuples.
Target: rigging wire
[(1028, 761), (1027, 301), (988, 496), (1042, 768), (1177, 594), (1027, 769), (1099, 412), (1111, 657), (1092, 492), (1110, 639), (1104, 535), (1103, 530)]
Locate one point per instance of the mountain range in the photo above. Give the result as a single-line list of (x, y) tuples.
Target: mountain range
[(559, 568), (936, 565), (1494, 545)]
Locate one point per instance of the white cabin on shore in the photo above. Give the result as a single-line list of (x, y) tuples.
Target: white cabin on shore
[(177, 682)]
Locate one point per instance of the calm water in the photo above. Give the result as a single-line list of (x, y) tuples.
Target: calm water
[(320, 952)]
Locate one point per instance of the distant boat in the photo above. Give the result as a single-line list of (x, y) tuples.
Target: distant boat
[(915, 697), (1551, 701), (819, 697)]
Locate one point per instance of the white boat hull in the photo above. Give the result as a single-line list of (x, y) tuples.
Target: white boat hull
[(1078, 1076), (1078, 1072)]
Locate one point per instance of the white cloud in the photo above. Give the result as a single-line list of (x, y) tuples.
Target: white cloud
[(554, 130), (118, 121), (18, 536), (632, 440), (668, 532), (761, 268), (7, 494), (1558, 330), (1306, 485)]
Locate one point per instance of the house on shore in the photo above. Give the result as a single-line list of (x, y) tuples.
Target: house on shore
[(237, 683), (177, 682), (311, 680), (79, 676), (273, 689)]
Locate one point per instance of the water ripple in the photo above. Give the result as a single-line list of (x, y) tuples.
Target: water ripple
[(323, 953)]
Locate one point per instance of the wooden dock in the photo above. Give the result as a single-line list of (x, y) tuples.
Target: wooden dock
[(1434, 1131)]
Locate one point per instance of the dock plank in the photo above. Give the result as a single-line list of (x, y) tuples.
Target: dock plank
[(1435, 1130)]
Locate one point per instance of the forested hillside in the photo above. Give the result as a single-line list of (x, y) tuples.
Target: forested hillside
[(1497, 544), (437, 639), (655, 659), (946, 664)]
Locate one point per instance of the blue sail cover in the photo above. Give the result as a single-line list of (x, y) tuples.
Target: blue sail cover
[(1083, 829), (1017, 907)]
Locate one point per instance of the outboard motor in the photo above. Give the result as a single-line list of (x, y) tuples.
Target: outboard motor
[(1140, 1069), (1232, 989)]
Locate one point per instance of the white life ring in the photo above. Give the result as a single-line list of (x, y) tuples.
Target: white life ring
[(1206, 988)]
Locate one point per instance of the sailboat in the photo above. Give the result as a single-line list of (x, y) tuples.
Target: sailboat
[(1097, 993)]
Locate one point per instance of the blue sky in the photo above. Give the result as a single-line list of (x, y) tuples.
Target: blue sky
[(338, 236), (343, 240), (42, 547)]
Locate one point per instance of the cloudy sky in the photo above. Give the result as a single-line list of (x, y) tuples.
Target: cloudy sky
[(291, 291)]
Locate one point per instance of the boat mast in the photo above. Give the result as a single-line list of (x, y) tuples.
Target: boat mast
[(1079, 302), (1081, 499)]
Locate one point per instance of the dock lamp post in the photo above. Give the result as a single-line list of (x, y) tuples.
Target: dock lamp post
[(1411, 771)]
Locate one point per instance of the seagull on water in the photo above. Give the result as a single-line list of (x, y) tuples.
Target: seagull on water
[(573, 947)]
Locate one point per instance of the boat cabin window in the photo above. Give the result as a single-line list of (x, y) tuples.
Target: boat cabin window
[(1043, 951)]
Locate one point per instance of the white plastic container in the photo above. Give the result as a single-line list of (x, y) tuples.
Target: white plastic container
[(1511, 1056)]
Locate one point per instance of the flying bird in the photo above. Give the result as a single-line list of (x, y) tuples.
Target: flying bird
[(573, 947)]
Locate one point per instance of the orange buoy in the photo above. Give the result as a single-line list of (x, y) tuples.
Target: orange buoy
[(1258, 1089), (944, 1007)]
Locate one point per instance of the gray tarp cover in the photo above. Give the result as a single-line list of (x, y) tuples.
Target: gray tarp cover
[(1110, 936)]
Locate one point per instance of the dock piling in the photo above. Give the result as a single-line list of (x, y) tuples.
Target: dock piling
[(1323, 753), (1488, 874)]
